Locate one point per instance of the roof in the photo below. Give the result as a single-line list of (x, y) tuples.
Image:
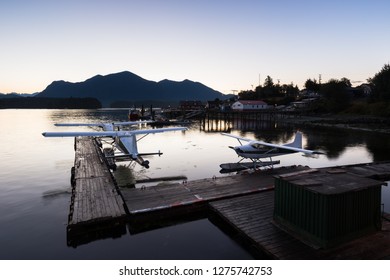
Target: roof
[(329, 181)]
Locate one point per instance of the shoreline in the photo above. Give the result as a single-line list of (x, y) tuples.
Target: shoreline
[(358, 123)]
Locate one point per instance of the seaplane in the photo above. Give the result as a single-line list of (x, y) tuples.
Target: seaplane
[(123, 142), (256, 151)]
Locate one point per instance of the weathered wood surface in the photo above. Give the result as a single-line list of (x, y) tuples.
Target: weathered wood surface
[(162, 197), (252, 217), (379, 170), (244, 202), (94, 195)]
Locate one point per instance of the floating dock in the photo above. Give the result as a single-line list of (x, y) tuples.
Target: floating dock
[(250, 219), (95, 199), (241, 204), (158, 205)]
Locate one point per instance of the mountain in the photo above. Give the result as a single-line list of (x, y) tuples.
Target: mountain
[(126, 86)]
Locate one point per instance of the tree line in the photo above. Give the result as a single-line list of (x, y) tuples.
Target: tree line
[(271, 93), (335, 95)]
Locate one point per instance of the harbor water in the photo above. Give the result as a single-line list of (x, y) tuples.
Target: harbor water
[(35, 181)]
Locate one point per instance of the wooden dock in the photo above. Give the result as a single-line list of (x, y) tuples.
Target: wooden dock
[(95, 198), (251, 218), (242, 203), (156, 206)]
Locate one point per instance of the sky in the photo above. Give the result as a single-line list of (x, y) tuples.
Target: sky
[(226, 45)]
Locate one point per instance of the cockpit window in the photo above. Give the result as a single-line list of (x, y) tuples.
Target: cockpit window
[(257, 146)]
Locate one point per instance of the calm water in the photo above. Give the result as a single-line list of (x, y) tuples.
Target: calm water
[(35, 182)]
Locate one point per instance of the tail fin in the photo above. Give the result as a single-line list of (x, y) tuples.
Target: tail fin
[(297, 143)]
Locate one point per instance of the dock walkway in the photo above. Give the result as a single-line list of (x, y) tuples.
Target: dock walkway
[(251, 217), (244, 203), (162, 197), (95, 197)]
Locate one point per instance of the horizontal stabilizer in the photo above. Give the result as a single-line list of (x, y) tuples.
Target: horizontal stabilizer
[(127, 156)]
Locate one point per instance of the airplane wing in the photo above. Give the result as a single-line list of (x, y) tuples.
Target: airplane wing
[(102, 124), (148, 131), (283, 147), (78, 124), (76, 134), (121, 133), (130, 123), (237, 137)]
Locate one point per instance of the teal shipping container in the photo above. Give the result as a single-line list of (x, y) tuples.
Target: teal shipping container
[(325, 208)]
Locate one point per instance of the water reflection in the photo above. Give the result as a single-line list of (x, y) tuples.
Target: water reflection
[(86, 116), (333, 141), (35, 178)]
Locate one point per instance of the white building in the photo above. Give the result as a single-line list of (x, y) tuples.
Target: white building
[(247, 105)]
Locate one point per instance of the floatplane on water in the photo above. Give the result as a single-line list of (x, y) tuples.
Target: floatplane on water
[(123, 142), (257, 150)]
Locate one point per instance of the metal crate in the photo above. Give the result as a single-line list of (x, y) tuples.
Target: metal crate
[(326, 208)]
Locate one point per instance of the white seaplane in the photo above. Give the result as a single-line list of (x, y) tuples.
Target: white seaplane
[(124, 141), (257, 150)]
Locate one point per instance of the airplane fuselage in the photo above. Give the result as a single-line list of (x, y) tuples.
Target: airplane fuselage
[(127, 145), (255, 151)]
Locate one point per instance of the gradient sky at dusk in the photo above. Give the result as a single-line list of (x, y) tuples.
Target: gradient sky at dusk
[(226, 45)]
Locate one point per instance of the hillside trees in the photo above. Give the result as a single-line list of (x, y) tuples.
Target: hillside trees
[(271, 93), (335, 94), (381, 84), (312, 85)]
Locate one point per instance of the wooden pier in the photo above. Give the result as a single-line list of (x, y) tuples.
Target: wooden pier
[(156, 206), (95, 199), (242, 204), (250, 218)]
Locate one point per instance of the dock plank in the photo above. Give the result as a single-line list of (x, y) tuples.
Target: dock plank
[(198, 191), (259, 230), (95, 197), (243, 202)]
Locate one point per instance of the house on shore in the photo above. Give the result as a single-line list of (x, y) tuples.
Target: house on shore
[(213, 105), (249, 105)]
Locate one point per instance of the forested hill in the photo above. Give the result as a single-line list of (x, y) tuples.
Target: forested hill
[(128, 87)]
